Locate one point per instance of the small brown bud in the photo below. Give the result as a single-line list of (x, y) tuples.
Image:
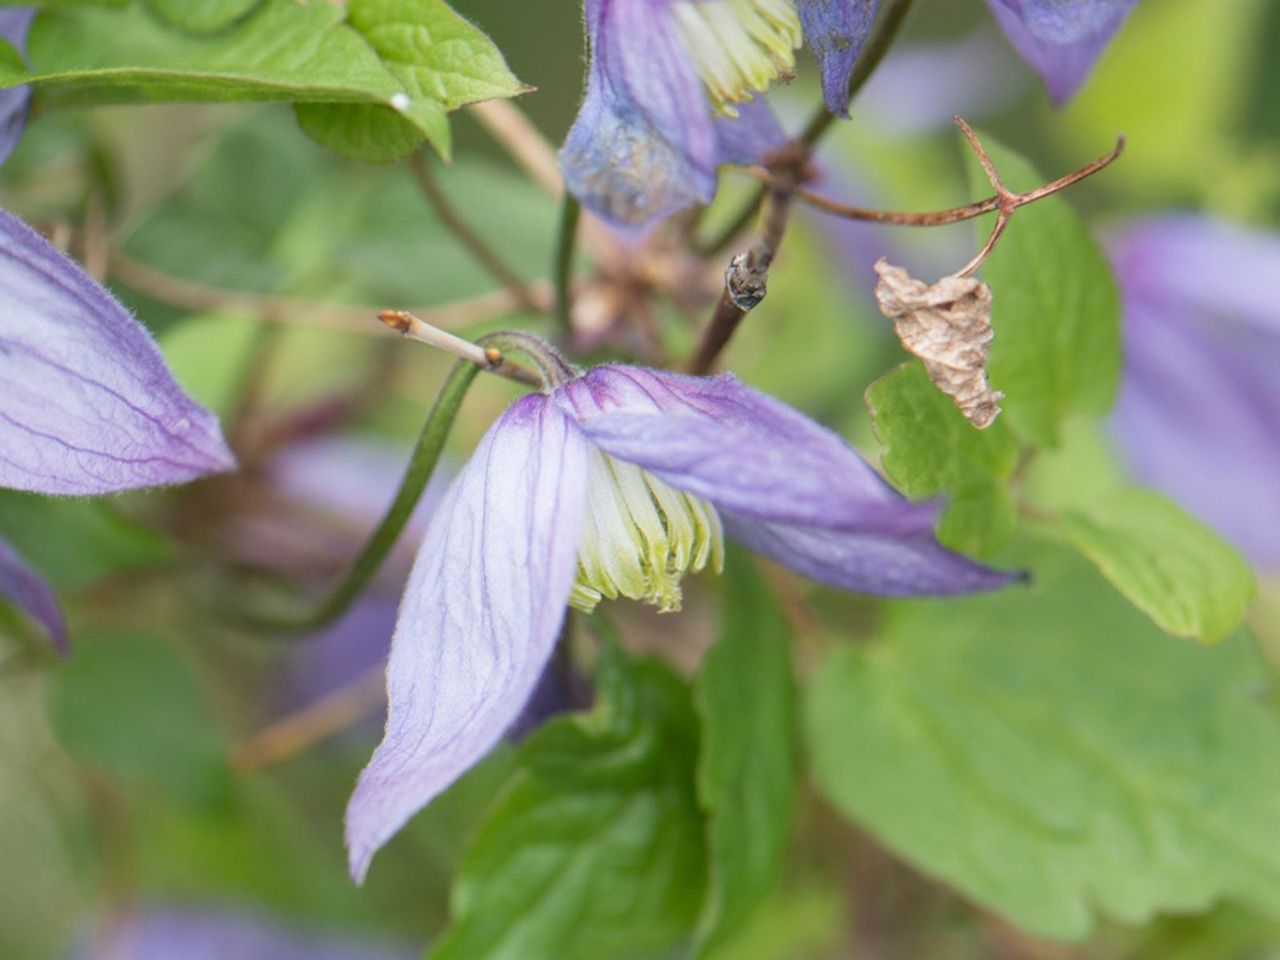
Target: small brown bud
[(947, 325)]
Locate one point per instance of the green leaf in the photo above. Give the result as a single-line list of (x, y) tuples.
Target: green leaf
[(596, 849), (1052, 756), (1056, 311), (207, 16), (747, 774), (130, 707), (1172, 567), (371, 134), (930, 449)]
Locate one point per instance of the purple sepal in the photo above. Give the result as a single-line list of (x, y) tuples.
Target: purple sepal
[(87, 404), (28, 591), (785, 485), (1061, 39), (480, 616), (1198, 416), (645, 143), (15, 102), (835, 31)]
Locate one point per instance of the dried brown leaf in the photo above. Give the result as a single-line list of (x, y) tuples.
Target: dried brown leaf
[(948, 326)]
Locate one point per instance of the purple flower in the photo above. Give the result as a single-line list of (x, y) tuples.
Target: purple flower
[(1198, 415), (15, 102), (615, 483), (647, 141), (1061, 39), (835, 31), (25, 589)]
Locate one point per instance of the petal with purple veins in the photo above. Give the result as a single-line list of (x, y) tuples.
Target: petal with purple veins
[(15, 102), (480, 616), (27, 590), (1061, 39), (87, 404), (835, 31)]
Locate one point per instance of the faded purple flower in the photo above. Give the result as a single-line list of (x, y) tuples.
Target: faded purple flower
[(1198, 415), (615, 483), (15, 102), (87, 405), (27, 591), (1061, 39), (215, 934)]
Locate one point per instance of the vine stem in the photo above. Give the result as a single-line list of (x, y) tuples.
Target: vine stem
[(562, 268)]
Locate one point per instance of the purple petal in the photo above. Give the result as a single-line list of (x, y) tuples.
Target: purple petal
[(1061, 39), (87, 404), (835, 31), (747, 453), (27, 591), (785, 486), (479, 618), (645, 143), (910, 565), (15, 102), (1198, 416)]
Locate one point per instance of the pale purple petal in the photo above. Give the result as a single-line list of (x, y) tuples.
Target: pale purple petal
[(740, 449), (1198, 415), (1061, 39), (15, 102), (835, 31), (908, 565), (87, 404), (479, 618), (27, 590), (206, 933), (645, 143)]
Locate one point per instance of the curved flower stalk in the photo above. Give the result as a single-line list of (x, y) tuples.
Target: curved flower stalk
[(671, 94), (1198, 415), (1061, 39), (614, 483)]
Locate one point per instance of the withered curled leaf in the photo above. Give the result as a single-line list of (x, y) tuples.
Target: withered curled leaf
[(948, 326)]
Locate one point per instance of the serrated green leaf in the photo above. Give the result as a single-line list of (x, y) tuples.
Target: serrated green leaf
[(748, 771), (1172, 567), (207, 16), (930, 448), (1055, 309), (596, 848), (1050, 754)]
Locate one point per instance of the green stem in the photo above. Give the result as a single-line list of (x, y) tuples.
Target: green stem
[(426, 454), (570, 212), (822, 118)]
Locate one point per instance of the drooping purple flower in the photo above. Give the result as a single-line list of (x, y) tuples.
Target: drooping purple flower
[(615, 483), (1061, 39), (26, 590), (835, 31), (1198, 416), (15, 102), (647, 141), (87, 405)]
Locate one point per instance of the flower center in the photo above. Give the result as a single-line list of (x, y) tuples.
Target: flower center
[(739, 46), (640, 537)]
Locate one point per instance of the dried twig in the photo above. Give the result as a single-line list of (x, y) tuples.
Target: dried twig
[(486, 358)]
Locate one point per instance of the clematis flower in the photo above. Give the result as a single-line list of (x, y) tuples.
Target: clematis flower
[(1061, 39), (15, 101), (614, 483), (671, 94), (1198, 416)]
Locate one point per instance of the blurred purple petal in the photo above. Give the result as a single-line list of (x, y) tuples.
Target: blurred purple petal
[(15, 102), (27, 590), (479, 618), (1198, 416), (87, 404), (209, 934), (1061, 39), (646, 143), (835, 31)]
